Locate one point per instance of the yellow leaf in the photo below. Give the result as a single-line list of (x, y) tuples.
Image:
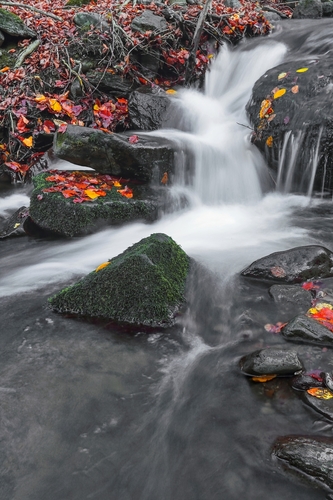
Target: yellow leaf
[(92, 195), (269, 141), (117, 184), (263, 378), (40, 98), (320, 393), (17, 225), (96, 107), (301, 70), (101, 266), (294, 89), (28, 142), (171, 91), (279, 93), (265, 105), (282, 75), (55, 105), (210, 56)]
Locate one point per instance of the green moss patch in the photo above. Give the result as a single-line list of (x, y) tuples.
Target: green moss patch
[(53, 212), (143, 286)]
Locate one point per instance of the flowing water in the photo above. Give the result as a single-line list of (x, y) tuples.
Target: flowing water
[(87, 412)]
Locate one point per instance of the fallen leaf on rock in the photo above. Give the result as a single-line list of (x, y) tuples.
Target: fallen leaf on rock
[(28, 142), (91, 194), (320, 393), (311, 285), (263, 378), (171, 91), (55, 105), (278, 272), (127, 192), (274, 328), (133, 139), (295, 89), (165, 178), (282, 75), (265, 106), (302, 70), (3, 70), (279, 93), (269, 141), (101, 266), (286, 120)]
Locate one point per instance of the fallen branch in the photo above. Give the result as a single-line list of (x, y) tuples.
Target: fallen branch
[(267, 8), (15, 4), (26, 52)]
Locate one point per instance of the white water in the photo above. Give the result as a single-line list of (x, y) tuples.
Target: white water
[(229, 223)]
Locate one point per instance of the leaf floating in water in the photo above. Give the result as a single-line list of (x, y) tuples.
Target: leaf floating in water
[(282, 75), (320, 393), (274, 328), (278, 272), (279, 93), (286, 120), (269, 141), (302, 70), (263, 378), (295, 89), (101, 266)]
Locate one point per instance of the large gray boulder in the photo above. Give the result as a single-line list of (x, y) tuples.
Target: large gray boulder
[(308, 9), (148, 109), (148, 22), (146, 159), (14, 26), (304, 329), (143, 286)]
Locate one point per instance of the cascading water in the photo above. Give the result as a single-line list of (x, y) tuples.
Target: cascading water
[(89, 413)]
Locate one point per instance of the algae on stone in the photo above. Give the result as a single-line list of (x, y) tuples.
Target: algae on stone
[(142, 286)]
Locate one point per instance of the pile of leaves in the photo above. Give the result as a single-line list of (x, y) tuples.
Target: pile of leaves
[(80, 187), (36, 99)]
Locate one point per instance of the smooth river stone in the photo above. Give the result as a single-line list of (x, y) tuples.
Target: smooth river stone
[(323, 406), (273, 360), (312, 457), (304, 329)]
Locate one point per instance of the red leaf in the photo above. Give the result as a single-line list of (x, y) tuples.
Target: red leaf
[(133, 139)]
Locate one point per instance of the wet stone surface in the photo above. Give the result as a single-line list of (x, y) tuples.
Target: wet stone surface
[(274, 360), (304, 329)]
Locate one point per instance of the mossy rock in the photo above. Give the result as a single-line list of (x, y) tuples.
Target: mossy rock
[(53, 212), (77, 3), (143, 286), (14, 26)]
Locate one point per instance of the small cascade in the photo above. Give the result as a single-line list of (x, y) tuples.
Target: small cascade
[(298, 163)]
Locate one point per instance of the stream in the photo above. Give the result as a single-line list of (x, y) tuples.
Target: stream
[(91, 413)]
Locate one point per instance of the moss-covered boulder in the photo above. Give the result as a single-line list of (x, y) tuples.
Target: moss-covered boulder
[(72, 203), (140, 157), (143, 286), (14, 26)]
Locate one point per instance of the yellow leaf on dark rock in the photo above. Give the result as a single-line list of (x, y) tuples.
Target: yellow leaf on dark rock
[(101, 266), (320, 393), (301, 70), (279, 93), (282, 75), (91, 194), (263, 378), (269, 141), (28, 142)]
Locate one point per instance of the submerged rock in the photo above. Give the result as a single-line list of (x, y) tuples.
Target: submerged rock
[(146, 159), (142, 286), (69, 216), (291, 294), (304, 329), (312, 457), (293, 266), (271, 361)]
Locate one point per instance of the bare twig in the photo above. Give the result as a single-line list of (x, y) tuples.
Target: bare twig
[(25, 6), (267, 8), (25, 53)]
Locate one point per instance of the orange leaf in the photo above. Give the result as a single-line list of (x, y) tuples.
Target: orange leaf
[(3, 70), (294, 89), (101, 266), (320, 393), (263, 378), (279, 93), (265, 106), (171, 91), (40, 98), (165, 178), (127, 192), (28, 142), (269, 141)]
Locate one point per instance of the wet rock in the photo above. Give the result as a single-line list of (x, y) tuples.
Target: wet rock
[(145, 160), (304, 329), (299, 122), (328, 380), (148, 22), (87, 19), (294, 265), (2, 38), (15, 224), (291, 294), (308, 9), (312, 457), (148, 109), (271, 361), (14, 26), (327, 9), (303, 382), (113, 85), (51, 211), (142, 286), (322, 406)]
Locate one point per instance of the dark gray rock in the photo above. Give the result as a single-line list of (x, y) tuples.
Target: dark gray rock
[(144, 285), (14, 26), (312, 457), (148, 22), (311, 9), (145, 160), (148, 109), (322, 406), (86, 19), (271, 361), (2, 38), (293, 266), (14, 225), (327, 9), (328, 380), (303, 382), (291, 294), (304, 329), (234, 4), (272, 17), (113, 85), (300, 120)]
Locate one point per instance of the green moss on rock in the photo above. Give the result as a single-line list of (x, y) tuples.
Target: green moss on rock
[(143, 286), (53, 212)]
